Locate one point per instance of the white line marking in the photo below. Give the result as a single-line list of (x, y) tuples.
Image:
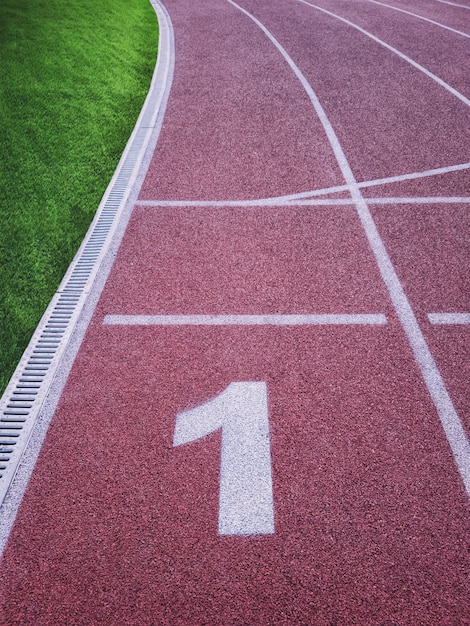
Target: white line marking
[(246, 505), (415, 175), (450, 421), (461, 6), (267, 202), (286, 200), (406, 58), (245, 320), (388, 200), (420, 17), (449, 318), (334, 202), (421, 200)]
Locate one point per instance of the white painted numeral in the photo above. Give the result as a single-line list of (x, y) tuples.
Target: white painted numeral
[(246, 494)]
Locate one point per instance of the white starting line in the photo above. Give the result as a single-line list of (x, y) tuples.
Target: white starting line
[(313, 319)]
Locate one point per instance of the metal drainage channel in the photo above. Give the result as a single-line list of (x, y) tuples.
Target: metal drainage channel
[(28, 387)]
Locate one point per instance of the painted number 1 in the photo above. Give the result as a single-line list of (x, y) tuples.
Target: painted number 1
[(246, 494)]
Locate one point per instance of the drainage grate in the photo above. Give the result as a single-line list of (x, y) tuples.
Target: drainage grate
[(25, 394)]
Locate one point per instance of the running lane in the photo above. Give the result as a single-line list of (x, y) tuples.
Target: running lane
[(246, 435), (447, 57)]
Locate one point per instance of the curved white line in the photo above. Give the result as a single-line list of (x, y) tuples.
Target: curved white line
[(338, 151), (420, 17), (449, 419), (406, 58)]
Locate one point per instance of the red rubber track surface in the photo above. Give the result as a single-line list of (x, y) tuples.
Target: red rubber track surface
[(372, 520)]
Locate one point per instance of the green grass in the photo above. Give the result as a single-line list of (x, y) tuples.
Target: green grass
[(73, 78)]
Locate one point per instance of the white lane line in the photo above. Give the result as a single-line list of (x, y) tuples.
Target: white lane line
[(389, 200), (267, 202), (420, 17), (325, 319), (413, 176), (406, 58), (461, 6), (421, 200), (449, 318), (334, 202), (286, 200), (450, 421)]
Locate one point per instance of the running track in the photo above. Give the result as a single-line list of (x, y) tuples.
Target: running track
[(300, 228)]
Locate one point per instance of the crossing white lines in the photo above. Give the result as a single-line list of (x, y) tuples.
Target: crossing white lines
[(307, 195), (450, 421)]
